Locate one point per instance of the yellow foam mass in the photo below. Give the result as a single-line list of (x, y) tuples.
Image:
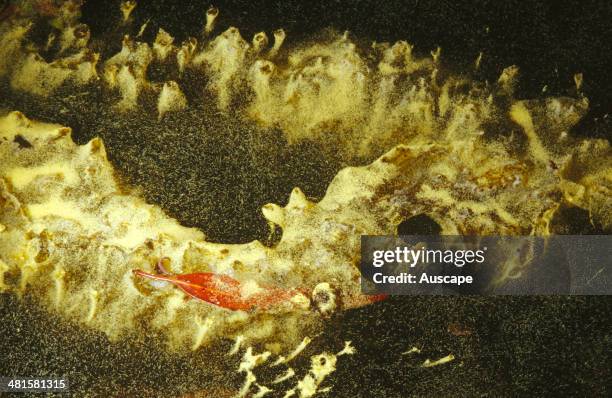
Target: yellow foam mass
[(71, 237)]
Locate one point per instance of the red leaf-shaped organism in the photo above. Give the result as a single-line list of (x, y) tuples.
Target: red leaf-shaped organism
[(222, 290)]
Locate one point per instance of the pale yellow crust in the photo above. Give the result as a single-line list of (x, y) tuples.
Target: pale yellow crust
[(71, 236)]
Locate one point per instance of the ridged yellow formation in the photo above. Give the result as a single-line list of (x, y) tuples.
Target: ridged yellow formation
[(71, 236)]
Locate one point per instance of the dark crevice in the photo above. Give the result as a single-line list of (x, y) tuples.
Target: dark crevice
[(22, 142), (419, 225)]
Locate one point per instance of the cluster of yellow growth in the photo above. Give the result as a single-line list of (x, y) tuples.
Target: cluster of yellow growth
[(71, 235), (223, 59), (22, 63), (322, 365), (37, 76), (370, 99)]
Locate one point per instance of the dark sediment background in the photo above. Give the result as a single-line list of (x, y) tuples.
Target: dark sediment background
[(215, 172), (504, 347)]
